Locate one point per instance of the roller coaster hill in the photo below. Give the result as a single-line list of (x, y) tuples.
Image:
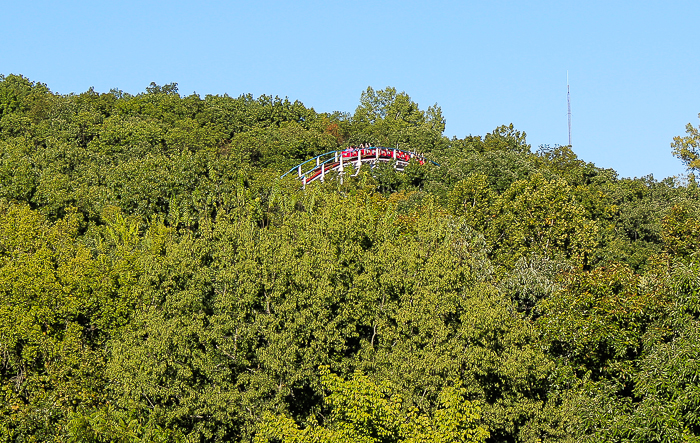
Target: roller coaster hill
[(355, 156)]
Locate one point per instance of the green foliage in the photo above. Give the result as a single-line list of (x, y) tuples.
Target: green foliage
[(533, 279), (502, 168), (160, 282), (506, 138), (540, 216), (681, 230), (61, 303), (388, 118), (18, 176), (20, 97), (109, 425), (598, 321), (472, 198), (687, 148), (649, 391), (361, 411)]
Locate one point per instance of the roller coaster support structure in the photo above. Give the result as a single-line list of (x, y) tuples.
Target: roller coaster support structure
[(317, 167)]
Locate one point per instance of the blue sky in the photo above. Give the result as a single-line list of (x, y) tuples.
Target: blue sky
[(634, 68)]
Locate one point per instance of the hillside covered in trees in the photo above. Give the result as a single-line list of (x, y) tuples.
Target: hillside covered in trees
[(160, 282)]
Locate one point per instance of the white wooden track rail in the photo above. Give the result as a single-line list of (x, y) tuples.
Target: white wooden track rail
[(316, 168)]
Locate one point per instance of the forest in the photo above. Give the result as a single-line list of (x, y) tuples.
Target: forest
[(159, 281)]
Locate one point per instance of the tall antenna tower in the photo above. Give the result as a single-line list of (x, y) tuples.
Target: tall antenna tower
[(568, 104)]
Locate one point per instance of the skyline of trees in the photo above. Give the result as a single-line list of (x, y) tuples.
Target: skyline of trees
[(160, 282)]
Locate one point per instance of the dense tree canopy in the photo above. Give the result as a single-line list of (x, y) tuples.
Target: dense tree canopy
[(159, 281), (688, 148)]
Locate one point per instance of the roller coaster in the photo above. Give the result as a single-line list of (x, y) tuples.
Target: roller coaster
[(355, 156)]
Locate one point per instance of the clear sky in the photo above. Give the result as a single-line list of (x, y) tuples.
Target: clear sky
[(634, 67)]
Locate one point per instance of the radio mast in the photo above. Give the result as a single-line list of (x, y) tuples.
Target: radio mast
[(568, 104)]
